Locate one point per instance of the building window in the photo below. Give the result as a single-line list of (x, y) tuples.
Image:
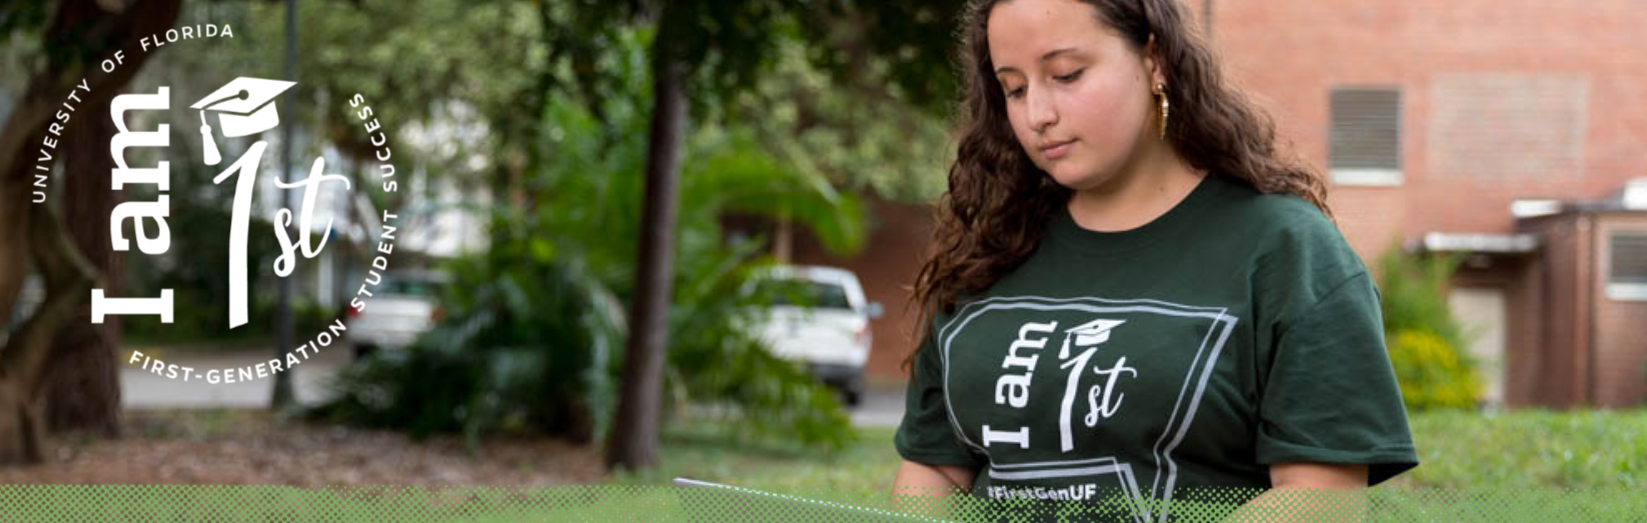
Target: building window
[(1364, 146), (1627, 266)]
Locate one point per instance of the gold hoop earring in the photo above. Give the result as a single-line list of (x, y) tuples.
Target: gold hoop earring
[(1161, 92)]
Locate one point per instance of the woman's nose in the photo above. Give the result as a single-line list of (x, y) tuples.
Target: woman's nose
[(1042, 111)]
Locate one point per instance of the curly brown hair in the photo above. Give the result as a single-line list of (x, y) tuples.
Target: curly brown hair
[(999, 203)]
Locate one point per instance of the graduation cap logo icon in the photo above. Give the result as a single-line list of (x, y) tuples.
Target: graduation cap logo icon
[(1088, 334), (245, 107)]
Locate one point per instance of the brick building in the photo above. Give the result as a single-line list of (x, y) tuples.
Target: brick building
[(1508, 130)]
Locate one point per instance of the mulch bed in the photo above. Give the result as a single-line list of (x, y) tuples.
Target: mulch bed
[(254, 447)]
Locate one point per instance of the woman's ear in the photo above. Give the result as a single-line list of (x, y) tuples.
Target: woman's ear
[(1152, 62)]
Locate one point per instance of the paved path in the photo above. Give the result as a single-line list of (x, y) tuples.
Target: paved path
[(143, 389), (882, 405)]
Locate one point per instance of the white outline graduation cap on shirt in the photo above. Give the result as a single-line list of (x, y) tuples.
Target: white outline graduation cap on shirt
[(1088, 334), (245, 107)]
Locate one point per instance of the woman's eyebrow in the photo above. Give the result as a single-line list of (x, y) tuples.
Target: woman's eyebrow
[(1044, 57)]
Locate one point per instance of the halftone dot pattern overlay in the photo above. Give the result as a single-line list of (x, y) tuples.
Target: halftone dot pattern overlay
[(649, 503)]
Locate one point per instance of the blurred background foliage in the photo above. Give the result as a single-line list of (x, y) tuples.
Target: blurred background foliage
[(1428, 347), (539, 110), (863, 138), (540, 314)]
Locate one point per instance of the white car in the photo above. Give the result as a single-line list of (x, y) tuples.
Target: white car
[(406, 304), (831, 335)]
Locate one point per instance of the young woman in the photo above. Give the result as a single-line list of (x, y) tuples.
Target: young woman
[(1133, 290)]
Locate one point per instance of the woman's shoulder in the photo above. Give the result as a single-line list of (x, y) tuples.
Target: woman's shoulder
[(1283, 227), (1260, 215), (1279, 213)]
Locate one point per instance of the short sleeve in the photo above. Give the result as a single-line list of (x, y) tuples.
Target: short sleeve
[(926, 435), (1331, 395)]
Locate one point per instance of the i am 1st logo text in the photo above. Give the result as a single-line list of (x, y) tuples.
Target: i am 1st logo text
[(244, 107)]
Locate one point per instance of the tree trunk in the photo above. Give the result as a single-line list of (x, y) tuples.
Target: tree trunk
[(80, 32), (635, 431), (69, 280), (283, 396), (82, 380)]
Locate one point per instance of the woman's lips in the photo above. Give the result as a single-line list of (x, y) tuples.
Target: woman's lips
[(1057, 149)]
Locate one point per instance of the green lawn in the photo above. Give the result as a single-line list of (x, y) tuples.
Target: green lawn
[(1520, 466), (1589, 449), (708, 453), (1519, 449)]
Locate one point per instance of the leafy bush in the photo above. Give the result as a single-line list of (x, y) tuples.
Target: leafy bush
[(1431, 373), (1426, 343), (715, 358), (524, 346)]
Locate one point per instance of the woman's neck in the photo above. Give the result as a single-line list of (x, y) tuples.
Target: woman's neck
[(1137, 195)]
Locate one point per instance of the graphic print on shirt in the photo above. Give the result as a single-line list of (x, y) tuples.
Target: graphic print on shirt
[(1079, 394)]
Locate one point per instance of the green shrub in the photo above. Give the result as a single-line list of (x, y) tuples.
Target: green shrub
[(715, 358), (523, 347), (1425, 341), (1412, 288), (1430, 372)]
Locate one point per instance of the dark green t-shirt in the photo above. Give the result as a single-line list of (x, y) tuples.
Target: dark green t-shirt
[(1235, 331)]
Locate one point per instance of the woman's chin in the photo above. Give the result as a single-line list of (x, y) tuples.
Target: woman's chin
[(1076, 181)]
